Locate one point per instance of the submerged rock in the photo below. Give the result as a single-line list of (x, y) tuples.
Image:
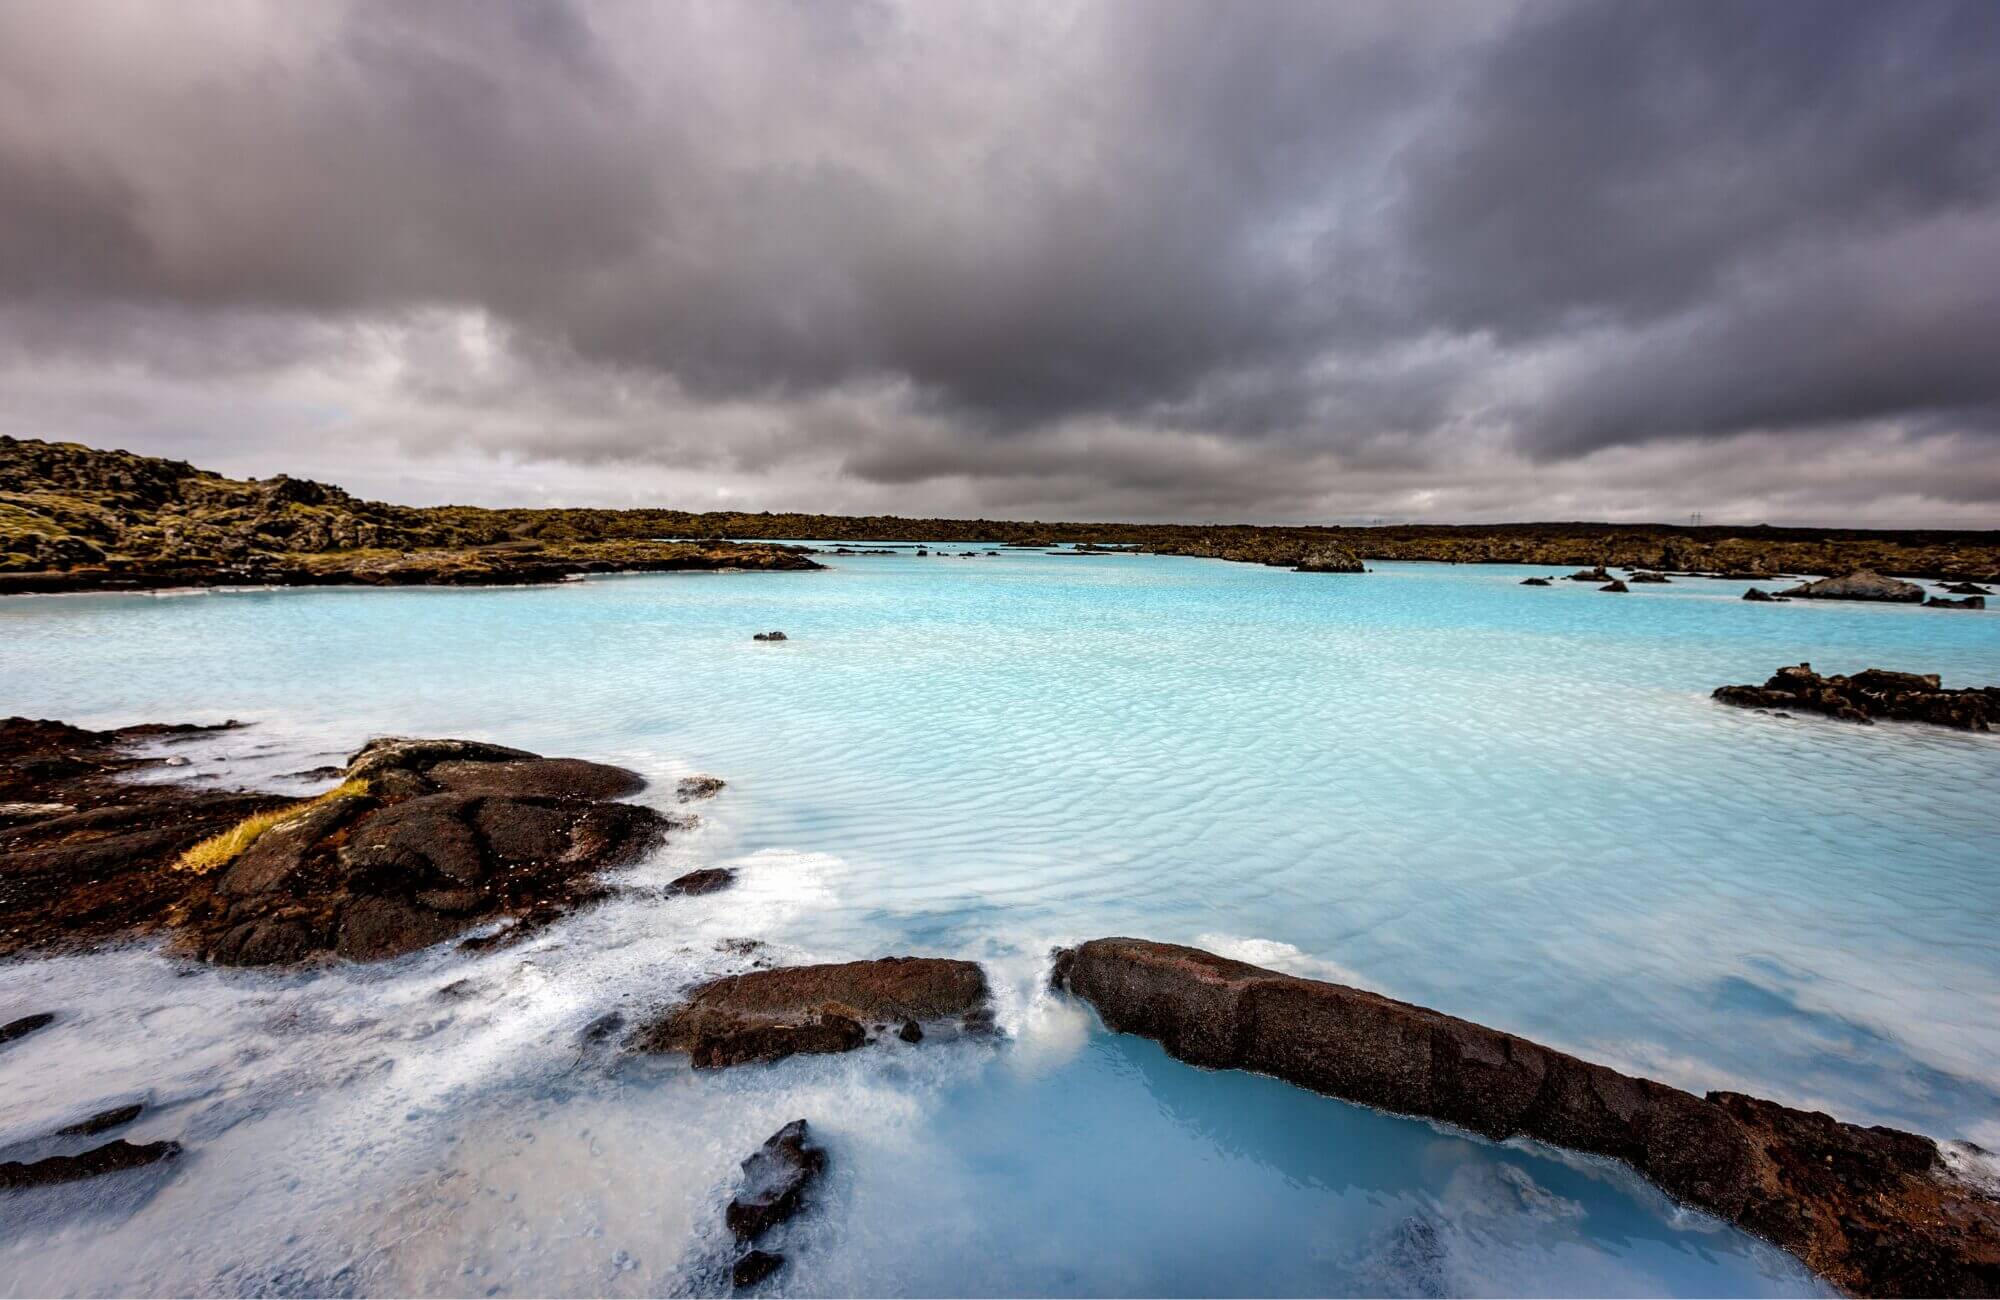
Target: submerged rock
[(778, 636), (1873, 1210), (1866, 696), (1645, 575), (1534, 582), (1968, 602), (1863, 584), (768, 1015), (755, 1266), (1615, 585), (1590, 575), (113, 1157), (775, 1178), (1758, 593)]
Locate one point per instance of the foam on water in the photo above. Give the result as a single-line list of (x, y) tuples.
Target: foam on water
[(1516, 805)]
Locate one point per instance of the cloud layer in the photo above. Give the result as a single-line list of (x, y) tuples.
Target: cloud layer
[(1155, 259)]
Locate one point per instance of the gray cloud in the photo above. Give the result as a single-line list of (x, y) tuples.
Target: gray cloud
[(1161, 259)]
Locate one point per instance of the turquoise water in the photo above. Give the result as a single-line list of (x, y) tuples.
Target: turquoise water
[(1513, 804)]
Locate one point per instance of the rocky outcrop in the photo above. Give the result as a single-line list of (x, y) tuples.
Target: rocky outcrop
[(1615, 585), (771, 1014), (1967, 602), (775, 1178), (708, 880), (113, 1157), (1869, 695), (1759, 594), (1596, 574), (1967, 589), (74, 518), (1329, 558), (754, 1267), (422, 840), (1644, 575), (1860, 585), (1873, 1210), (689, 789)]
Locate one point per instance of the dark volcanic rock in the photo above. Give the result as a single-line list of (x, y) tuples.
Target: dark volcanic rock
[(708, 880), (1873, 1210), (1758, 593), (771, 1014), (113, 1157), (1967, 589), (777, 636), (1329, 558), (1644, 575), (1969, 602), (911, 1032), (1866, 696), (26, 1025), (1615, 585), (690, 788), (446, 835), (102, 1121), (754, 1267), (775, 1178), (1863, 584), (1534, 582), (1590, 575)]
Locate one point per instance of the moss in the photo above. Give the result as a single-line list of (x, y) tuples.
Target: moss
[(218, 851)]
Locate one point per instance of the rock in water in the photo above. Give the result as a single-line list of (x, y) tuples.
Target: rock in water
[(1329, 558), (775, 1178), (113, 1157), (102, 1121), (1758, 593), (1968, 602), (1534, 582), (706, 881), (770, 636), (1615, 585), (771, 1014), (1873, 1210), (1967, 589), (1646, 575), (690, 788), (26, 1025), (1590, 575), (755, 1266), (1866, 696), (1863, 584)]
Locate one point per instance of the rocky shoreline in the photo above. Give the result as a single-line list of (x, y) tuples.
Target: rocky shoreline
[(1873, 1210), (1869, 695), (421, 841), (122, 521)]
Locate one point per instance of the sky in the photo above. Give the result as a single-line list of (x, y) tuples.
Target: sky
[(1157, 260)]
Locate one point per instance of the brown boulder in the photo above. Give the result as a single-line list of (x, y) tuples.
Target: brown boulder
[(1863, 584), (708, 880), (771, 1014), (775, 1178), (1873, 1210)]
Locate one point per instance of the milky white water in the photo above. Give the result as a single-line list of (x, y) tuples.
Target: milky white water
[(1514, 805)]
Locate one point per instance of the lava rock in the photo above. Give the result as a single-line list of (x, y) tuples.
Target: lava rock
[(1863, 584), (1534, 582), (779, 636), (1870, 695), (690, 788), (1646, 575), (1968, 589), (756, 1265), (708, 880), (1329, 558), (1759, 594), (911, 1032), (1614, 585), (102, 1121), (1967, 602), (26, 1025), (1873, 1210), (1590, 575), (113, 1157), (771, 1014), (775, 1178)]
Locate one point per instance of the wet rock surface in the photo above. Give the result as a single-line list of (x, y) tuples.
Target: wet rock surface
[(691, 788), (1863, 584), (113, 1157), (775, 1179), (754, 1267), (1615, 585), (26, 1025), (708, 880), (1873, 1210), (768, 1015), (1869, 695), (1967, 602), (424, 840), (1534, 582), (770, 636), (1759, 594)]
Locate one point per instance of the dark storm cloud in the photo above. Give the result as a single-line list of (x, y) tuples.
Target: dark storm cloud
[(1146, 258)]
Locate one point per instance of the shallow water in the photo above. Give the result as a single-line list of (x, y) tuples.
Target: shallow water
[(1515, 805)]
